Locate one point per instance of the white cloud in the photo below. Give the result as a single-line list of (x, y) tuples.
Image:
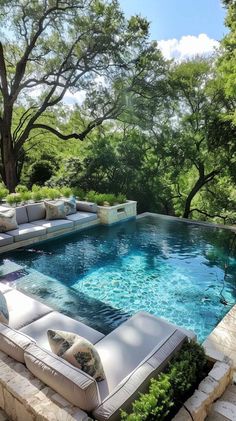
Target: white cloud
[(74, 98), (187, 46)]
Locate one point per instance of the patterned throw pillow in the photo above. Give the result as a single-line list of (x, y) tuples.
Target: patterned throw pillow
[(8, 220), (77, 351), (4, 314), (55, 210), (70, 205)]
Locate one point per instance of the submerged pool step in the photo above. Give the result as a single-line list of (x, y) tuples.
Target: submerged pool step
[(94, 313)]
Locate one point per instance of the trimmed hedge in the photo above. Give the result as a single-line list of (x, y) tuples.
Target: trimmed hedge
[(170, 389)]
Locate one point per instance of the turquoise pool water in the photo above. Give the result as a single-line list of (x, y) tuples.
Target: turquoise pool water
[(102, 275)]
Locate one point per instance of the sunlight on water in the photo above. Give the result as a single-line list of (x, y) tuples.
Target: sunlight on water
[(169, 268)]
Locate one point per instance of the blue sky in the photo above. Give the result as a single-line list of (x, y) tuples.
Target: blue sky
[(176, 18)]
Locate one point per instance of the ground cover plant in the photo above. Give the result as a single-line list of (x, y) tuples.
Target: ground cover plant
[(170, 389), (38, 193)]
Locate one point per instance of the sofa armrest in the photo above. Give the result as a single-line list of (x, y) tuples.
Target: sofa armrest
[(138, 381)]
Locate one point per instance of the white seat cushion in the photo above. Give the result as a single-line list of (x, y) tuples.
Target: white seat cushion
[(55, 320), (23, 309), (25, 231), (54, 225), (5, 239), (128, 345), (4, 287), (81, 217)]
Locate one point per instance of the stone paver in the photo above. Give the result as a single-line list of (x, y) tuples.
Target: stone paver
[(224, 409), (221, 343), (3, 416)]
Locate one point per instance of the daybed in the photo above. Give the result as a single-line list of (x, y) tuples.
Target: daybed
[(131, 354)]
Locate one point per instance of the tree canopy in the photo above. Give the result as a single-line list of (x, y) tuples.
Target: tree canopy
[(53, 47)]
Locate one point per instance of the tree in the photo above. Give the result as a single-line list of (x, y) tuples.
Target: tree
[(227, 58), (55, 46), (205, 140)]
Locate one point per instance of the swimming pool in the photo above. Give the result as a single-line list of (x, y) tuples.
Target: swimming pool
[(162, 265)]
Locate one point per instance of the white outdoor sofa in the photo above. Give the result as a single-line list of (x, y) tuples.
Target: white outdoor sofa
[(131, 354), (32, 223)]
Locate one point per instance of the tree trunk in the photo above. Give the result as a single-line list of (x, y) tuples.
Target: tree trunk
[(198, 185), (9, 163)]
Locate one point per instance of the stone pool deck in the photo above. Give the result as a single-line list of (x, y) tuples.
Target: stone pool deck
[(221, 343)]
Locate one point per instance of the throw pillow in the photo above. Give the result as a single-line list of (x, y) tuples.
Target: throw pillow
[(8, 220), (55, 210), (77, 351), (70, 205), (4, 314)]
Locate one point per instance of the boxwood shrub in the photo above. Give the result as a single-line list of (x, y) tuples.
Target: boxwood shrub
[(170, 389)]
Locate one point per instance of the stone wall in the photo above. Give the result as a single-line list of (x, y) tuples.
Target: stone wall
[(25, 398), (210, 389)]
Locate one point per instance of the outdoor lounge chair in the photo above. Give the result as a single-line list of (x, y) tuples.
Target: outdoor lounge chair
[(131, 354)]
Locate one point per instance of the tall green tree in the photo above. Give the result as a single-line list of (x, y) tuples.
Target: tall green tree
[(53, 47), (205, 139)]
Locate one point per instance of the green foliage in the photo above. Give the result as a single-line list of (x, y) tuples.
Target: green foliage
[(13, 198), (40, 172), (21, 189), (78, 193), (66, 191), (26, 196), (3, 192), (37, 195), (172, 387), (105, 199)]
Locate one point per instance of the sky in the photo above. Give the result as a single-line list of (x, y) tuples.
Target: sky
[(183, 28)]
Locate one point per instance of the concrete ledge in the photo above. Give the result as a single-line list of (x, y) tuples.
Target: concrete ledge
[(25, 398)]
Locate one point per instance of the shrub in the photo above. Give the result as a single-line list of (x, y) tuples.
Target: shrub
[(53, 193), (13, 198), (66, 191), (105, 198), (78, 192), (37, 195), (121, 198), (171, 388), (21, 189), (40, 171), (3, 192), (25, 196)]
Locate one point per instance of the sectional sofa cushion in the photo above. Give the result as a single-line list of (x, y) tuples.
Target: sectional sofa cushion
[(4, 313), (38, 328), (73, 384), (86, 206), (79, 218), (36, 211), (21, 215), (77, 351), (8, 220), (55, 210), (23, 309), (137, 381), (70, 205), (5, 239), (26, 231), (4, 287), (14, 342), (52, 226)]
